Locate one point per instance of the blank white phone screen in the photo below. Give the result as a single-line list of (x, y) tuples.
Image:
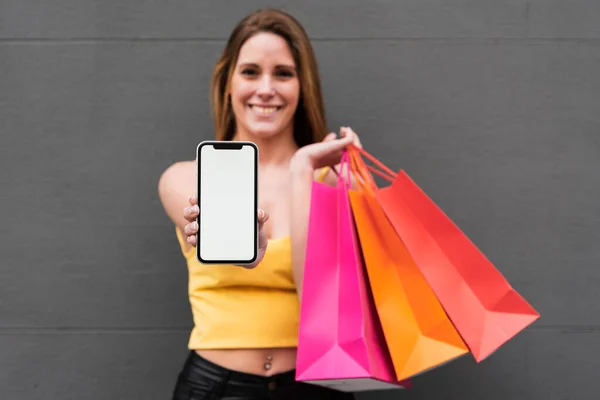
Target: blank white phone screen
[(227, 201)]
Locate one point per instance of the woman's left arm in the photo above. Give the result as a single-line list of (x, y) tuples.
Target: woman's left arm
[(302, 178), (303, 164)]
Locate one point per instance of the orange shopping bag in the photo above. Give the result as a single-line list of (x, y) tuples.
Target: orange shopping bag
[(482, 305), (418, 332)]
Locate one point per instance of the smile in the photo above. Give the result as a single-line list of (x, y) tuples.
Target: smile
[(265, 110)]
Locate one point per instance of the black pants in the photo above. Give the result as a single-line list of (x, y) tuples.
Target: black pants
[(201, 379)]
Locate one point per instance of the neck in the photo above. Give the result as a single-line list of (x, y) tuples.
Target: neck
[(276, 150)]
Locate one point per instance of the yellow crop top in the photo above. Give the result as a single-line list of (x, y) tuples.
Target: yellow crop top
[(235, 307)]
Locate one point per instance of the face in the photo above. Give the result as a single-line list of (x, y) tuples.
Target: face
[(264, 87)]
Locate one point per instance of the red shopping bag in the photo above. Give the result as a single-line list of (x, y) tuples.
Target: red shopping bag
[(419, 334), (482, 305), (340, 343)]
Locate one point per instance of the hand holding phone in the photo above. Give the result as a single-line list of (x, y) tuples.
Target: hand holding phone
[(191, 213)]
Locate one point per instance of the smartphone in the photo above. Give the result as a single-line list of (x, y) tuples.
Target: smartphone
[(227, 179)]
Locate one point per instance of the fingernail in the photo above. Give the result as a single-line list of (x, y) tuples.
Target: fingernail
[(194, 225), (261, 214), (189, 239), (195, 209)]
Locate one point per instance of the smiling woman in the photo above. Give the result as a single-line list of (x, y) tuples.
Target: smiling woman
[(265, 89)]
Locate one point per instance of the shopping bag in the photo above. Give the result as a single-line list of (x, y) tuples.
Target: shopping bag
[(481, 303), (419, 334), (340, 344)]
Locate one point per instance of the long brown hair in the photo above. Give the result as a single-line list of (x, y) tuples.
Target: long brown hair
[(310, 125)]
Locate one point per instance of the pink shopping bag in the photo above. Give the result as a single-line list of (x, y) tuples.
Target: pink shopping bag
[(340, 343)]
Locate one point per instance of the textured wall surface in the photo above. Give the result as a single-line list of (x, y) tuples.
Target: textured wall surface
[(492, 106)]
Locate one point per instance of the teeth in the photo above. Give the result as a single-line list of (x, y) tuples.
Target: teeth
[(264, 110)]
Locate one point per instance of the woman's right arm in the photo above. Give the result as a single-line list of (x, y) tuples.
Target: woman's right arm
[(174, 188)]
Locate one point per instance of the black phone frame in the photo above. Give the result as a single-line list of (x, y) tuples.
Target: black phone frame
[(227, 145)]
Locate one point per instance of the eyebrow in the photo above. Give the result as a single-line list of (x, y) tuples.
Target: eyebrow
[(250, 64)]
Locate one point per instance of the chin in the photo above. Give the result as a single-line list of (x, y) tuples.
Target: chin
[(265, 133)]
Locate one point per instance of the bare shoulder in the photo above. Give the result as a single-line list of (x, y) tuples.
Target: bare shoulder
[(175, 186), (180, 169)]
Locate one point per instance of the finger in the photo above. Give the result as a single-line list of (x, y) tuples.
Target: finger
[(356, 140), (193, 200), (331, 136), (334, 147), (192, 240), (346, 139), (191, 213), (191, 229), (263, 241), (263, 216), (347, 132)]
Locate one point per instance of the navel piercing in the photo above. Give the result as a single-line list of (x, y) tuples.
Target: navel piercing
[(268, 364)]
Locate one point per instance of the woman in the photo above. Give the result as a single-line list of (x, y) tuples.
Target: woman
[(265, 89)]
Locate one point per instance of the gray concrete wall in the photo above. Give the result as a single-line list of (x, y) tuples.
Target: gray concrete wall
[(492, 106)]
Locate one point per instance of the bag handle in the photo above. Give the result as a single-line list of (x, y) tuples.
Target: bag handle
[(355, 166), (347, 161), (385, 172), (363, 171), (362, 178), (344, 162)]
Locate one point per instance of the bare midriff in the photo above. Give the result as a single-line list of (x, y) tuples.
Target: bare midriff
[(263, 362)]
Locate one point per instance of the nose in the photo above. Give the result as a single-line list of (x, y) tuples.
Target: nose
[(265, 87)]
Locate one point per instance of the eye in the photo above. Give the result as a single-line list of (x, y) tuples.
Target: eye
[(284, 73), (249, 71)]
